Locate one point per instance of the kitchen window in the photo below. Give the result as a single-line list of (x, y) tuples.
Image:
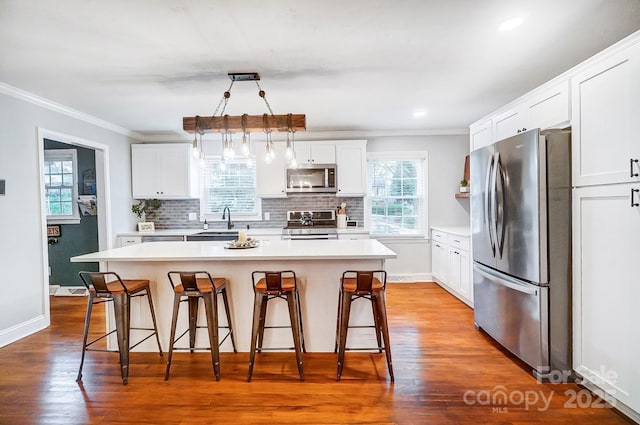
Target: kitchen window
[(60, 186), (396, 194), (230, 184)]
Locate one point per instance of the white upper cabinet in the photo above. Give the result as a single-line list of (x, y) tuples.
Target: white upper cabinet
[(543, 109), (351, 164), (481, 134), (163, 171), (548, 107), (315, 152), (271, 181), (606, 107), (509, 123)]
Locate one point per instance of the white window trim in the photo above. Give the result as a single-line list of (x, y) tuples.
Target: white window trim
[(396, 156), (217, 218), (53, 154)]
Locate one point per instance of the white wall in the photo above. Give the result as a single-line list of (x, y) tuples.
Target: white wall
[(445, 168), (23, 281)]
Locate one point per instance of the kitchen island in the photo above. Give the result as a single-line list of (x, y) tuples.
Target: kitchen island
[(318, 264)]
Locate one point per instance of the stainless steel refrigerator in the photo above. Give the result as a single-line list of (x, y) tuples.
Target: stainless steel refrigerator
[(521, 239)]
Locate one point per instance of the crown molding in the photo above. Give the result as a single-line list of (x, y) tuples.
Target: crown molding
[(317, 135), (65, 110)]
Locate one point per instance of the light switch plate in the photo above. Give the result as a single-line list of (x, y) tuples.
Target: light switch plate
[(267, 216), (193, 216)]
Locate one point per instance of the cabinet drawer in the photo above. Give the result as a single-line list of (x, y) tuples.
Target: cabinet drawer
[(461, 242), (439, 236), (129, 240)]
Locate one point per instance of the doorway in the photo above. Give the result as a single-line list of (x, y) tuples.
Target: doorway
[(88, 231)]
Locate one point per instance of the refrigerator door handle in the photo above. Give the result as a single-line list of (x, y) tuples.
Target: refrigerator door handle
[(494, 203), (499, 184), (507, 281), (488, 203)]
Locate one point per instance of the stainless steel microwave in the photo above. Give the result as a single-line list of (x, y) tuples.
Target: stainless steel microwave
[(315, 178)]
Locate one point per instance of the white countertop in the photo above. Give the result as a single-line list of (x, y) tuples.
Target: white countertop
[(251, 232), (267, 250), (454, 230)]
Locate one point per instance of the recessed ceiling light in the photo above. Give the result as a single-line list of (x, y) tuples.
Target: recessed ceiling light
[(419, 113), (510, 24)]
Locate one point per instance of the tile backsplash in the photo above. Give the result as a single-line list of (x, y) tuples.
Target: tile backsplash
[(174, 214)]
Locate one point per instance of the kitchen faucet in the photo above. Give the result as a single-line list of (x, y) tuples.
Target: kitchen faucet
[(226, 211)]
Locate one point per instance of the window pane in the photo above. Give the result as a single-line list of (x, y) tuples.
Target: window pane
[(67, 167), (396, 196), (55, 208), (66, 195), (55, 167), (67, 179), (67, 208), (56, 179), (233, 187)]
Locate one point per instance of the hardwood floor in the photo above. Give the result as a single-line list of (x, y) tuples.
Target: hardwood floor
[(445, 372)]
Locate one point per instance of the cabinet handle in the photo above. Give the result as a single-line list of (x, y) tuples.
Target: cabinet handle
[(631, 161), (457, 241), (633, 203)]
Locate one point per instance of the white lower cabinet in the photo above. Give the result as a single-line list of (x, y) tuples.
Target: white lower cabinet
[(450, 264), (128, 240), (606, 318)]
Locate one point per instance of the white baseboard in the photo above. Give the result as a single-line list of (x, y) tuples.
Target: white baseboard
[(409, 278), (21, 330)]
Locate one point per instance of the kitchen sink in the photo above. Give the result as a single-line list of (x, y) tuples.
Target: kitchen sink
[(213, 236)]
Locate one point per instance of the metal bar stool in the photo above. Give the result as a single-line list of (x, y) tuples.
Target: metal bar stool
[(190, 287), (370, 285), (269, 285), (109, 287)]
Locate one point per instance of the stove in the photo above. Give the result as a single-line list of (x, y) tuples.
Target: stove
[(319, 224)]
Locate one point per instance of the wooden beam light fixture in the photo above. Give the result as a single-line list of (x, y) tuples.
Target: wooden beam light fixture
[(245, 124)]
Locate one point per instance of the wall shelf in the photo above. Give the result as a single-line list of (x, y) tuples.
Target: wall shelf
[(463, 195)]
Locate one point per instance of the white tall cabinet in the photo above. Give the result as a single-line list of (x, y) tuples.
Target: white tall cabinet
[(606, 337), (606, 225)]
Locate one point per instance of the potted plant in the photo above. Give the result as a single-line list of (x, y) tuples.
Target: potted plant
[(144, 209), (464, 186)]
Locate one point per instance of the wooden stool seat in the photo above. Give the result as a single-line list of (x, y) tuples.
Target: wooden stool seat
[(369, 285), (191, 287), (204, 284), (109, 287), (276, 285), (131, 285), (350, 284), (288, 284)]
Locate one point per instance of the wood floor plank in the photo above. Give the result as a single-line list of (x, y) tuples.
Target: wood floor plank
[(446, 372)]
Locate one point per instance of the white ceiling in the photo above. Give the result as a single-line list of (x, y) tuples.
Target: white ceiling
[(349, 65)]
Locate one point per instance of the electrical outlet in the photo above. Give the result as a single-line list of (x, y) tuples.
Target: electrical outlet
[(193, 216), (267, 216)]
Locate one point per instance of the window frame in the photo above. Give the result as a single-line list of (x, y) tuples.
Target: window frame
[(217, 217), (64, 154), (423, 219)]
